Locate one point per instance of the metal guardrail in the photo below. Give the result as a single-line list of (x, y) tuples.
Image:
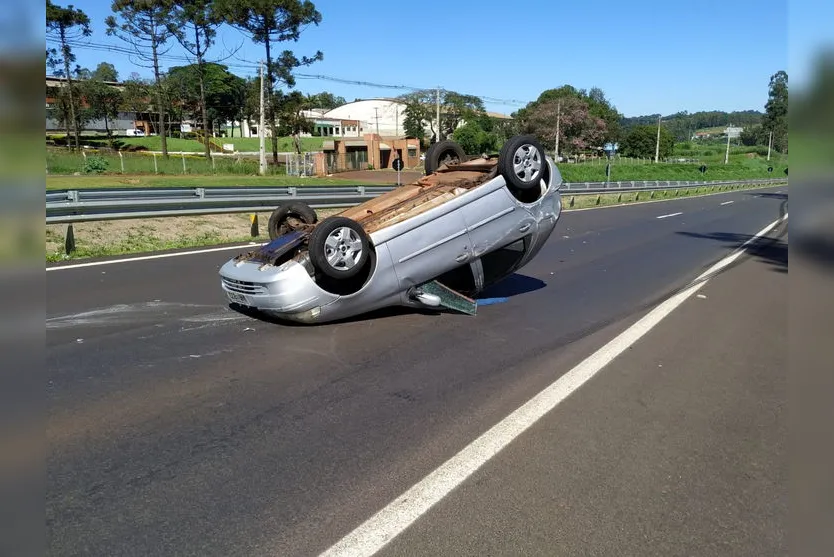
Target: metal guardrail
[(70, 206)]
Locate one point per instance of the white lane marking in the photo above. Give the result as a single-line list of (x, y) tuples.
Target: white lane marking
[(669, 215), (728, 202), (388, 523), (146, 257)]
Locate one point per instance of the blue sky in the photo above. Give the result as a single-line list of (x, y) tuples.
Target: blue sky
[(647, 56)]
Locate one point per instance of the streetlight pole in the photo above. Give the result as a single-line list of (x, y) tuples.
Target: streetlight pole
[(558, 118), (769, 145), (657, 144), (262, 148), (727, 154), (437, 93)]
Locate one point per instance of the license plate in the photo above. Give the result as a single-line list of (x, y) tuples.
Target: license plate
[(237, 298)]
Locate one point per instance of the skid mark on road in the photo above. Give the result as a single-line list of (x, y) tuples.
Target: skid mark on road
[(156, 311)]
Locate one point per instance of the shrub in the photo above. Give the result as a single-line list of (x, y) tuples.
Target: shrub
[(95, 165)]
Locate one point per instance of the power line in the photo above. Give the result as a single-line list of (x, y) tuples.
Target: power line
[(252, 65)]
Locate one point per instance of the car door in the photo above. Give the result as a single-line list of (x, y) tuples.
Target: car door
[(430, 249), (496, 219)]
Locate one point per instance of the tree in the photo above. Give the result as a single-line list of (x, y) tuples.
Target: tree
[(145, 26), (291, 121), (419, 111), (474, 139), (456, 108), (66, 25), (641, 142), (269, 21), (105, 71), (198, 21), (325, 100), (775, 119), (754, 135), (578, 129), (104, 101), (597, 106), (219, 96)]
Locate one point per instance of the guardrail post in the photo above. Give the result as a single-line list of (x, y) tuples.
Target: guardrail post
[(73, 196), (361, 190), (69, 241), (200, 192), (292, 190)]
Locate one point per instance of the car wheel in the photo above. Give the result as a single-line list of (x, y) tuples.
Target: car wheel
[(444, 152), (288, 217), (522, 162), (339, 247)]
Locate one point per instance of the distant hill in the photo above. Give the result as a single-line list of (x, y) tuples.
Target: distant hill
[(683, 124)]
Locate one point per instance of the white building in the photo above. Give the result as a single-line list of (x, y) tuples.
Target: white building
[(382, 116)]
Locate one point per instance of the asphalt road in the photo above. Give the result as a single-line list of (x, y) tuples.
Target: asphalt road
[(177, 426)]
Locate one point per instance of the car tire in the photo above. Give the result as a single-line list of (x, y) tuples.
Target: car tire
[(339, 247), (444, 152), (522, 163), (281, 219)]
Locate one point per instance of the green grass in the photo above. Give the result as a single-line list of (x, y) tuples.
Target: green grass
[(150, 181), (62, 162), (137, 241), (154, 143), (739, 168)]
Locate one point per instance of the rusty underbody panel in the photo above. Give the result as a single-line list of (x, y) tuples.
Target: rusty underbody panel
[(429, 191), (385, 210)]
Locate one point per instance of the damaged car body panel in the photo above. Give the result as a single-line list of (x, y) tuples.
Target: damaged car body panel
[(463, 227)]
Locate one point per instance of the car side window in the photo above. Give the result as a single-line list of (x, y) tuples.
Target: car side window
[(497, 264)]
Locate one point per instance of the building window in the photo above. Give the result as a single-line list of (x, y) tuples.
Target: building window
[(412, 151)]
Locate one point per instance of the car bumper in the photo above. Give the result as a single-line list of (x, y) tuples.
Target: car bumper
[(287, 291)]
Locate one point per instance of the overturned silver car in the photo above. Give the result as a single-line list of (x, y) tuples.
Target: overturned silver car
[(438, 241)]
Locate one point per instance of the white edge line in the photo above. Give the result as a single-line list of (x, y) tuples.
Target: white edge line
[(392, 520), (728, 202), (670, 215), (146, 257)]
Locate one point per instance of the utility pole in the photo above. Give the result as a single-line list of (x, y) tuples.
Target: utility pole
[(769, 145), (376, 111), (727, 154), (558, 118), (657, 145), (437, 92), (261, 126)]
